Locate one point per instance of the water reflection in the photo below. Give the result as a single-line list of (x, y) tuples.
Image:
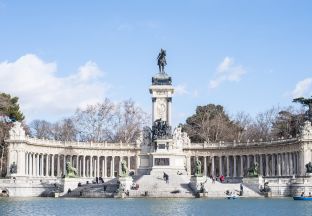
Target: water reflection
[(181, 207)]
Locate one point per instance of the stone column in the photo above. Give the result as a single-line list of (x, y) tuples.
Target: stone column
[(153, 108), (113, 167), (205, 166), (88, 166), (91, 166), (227, 166), (98, 166), (64, 165), (169, 111), (83, 166), (58, 166), (212, 172), (137, 162), (105, 166), (220, 166), (273, 164), (41, 165), (241, 165), (291, 164), (26, 163), (234, 168), (261, 164), (248, 161), (266, 165), (278, 157), (52, 165), (128, 163), (37, 165), (283, 164)]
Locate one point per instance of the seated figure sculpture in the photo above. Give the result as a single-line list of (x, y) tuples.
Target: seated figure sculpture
[(309, 167), (253, 171), (71, 171)]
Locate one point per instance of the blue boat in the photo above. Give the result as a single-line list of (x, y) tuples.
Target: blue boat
[(302, 198)]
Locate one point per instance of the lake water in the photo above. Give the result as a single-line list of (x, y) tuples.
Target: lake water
[(99, 207)]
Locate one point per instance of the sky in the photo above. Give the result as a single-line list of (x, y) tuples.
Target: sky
[(245, 55)]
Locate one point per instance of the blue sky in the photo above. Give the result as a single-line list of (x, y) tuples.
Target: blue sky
[(245, 55)]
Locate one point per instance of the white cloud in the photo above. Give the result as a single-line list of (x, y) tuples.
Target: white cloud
[(182, 90), (44, 94), (303, 88), (227, 71)]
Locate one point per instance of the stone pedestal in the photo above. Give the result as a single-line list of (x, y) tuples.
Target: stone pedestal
[(125, 182), (196, 183), (70, 183)]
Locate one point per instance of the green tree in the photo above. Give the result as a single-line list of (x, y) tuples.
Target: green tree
[(9, 112), (210, 123), (305, 102)]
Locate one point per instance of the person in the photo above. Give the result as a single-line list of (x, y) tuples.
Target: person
[(241, 190), (310, 195), (167, 179), (97, 180), (302, 194), (69, 191), (105, 186)]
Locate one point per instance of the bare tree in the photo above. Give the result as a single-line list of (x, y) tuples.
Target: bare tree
[(131, 120), (95, 122), (64, 130), (41, 129)]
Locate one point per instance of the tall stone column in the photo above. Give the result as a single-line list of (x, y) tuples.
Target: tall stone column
[(234, 167), (273, 165), (83, 166), (291, 165), (37, 165), (40, 165), (241, 166), (220, 166), (248, 161), (64, 165), (266, 165), (105, 166), (205, 166), (113, 167), (227, 166), (261, 164), (58, 168), (91, 166), (26, 163), (278, 156), (169, 101), (88, 158), (153, 108), (31, 164), (52, 165), (137, 162), (98, 166), (212, 172)]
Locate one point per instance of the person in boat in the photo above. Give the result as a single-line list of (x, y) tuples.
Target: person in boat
[(302, 194), (310, 195)]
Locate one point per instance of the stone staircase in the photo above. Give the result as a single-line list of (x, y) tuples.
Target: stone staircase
[(154, 186), (218, 189)]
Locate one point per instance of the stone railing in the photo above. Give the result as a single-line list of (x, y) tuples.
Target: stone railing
[(234, 144), (77, 144)]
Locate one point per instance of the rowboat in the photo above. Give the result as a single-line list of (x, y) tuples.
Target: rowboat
[(302, 198)]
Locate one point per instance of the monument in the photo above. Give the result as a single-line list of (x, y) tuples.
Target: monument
[(162, 149)]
